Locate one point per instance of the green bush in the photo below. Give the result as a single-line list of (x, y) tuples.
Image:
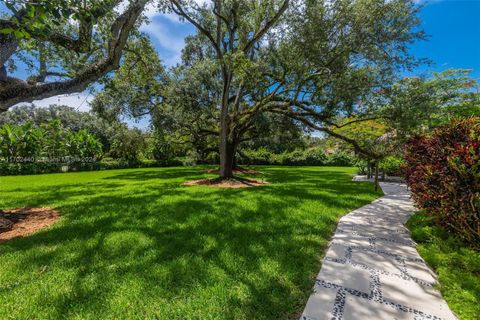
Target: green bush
[(391, 165), (83, 145), (7, 168), (362, 166), (340, 159), (299, 157), (20, 142), (294, 158), (256, 157)]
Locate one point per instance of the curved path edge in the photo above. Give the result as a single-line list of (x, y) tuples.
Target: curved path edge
[(372, 269)]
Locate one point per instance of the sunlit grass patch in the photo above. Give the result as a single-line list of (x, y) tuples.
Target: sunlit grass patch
[(136, 244)]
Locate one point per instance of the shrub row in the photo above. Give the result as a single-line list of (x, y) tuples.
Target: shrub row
[(443, 172), (7, 168), (308, 157)]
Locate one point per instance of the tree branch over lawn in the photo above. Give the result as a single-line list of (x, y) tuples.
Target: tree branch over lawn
[(13, 90)]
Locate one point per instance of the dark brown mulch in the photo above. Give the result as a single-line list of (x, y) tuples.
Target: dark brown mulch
[(227, 183), (25, 221), (237, 171)]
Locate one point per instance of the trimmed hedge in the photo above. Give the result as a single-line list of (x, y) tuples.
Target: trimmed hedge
[(308, 157), (7, 168), (443, 172)]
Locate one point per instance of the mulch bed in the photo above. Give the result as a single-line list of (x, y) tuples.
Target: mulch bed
[(227, 183), (25, 221), (237, 171)]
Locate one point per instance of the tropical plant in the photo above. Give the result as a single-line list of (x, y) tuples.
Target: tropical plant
[(54, 143), (22, 142), (70, 118), (443, 172), (83, 145)]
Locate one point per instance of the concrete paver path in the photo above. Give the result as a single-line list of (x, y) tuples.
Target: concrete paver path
[(373, 271)]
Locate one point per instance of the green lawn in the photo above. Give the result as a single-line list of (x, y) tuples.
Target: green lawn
[(457, 265), (135, 244)]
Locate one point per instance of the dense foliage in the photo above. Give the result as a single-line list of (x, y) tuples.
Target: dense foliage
[(123, 147), (48, 148), (443, 172), (70, 118), (419, 104), (298, 157), (65, 45), (391, 165)]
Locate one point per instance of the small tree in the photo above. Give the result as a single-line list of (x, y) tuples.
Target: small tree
[(419, 104), (371, 135)]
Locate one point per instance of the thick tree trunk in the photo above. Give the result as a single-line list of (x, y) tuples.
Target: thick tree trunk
[(234, 161), (227, 159), (376, 176)]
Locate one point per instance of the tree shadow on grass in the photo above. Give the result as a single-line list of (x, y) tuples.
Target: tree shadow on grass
[(157, 173), (180, 243)]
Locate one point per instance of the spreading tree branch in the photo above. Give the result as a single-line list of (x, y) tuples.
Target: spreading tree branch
[(270, 23), (13, 91)]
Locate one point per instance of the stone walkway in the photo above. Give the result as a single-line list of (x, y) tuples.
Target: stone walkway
[(372, 269)]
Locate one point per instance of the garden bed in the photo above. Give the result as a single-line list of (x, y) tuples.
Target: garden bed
[(227, 183), (25, 221)]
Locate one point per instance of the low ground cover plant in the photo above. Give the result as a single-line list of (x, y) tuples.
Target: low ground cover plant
[(455, 262)]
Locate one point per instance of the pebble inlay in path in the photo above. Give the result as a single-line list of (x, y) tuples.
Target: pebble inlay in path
[(372, 270)]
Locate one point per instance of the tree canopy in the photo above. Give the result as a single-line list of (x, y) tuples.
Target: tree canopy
[(308, 60), (253, 69)]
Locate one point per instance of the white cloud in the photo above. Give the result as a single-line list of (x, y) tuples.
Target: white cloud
[(162, 29), (428, 1), (80, 101), (151, 10), (171, 43), (164, 36)]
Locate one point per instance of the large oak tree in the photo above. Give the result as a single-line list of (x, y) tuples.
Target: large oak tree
[(311, 60)]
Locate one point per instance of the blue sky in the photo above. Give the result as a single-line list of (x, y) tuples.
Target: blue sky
[(453, 27)]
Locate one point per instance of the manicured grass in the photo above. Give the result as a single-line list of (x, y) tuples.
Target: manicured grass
[(135, 244), (457, 265)]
